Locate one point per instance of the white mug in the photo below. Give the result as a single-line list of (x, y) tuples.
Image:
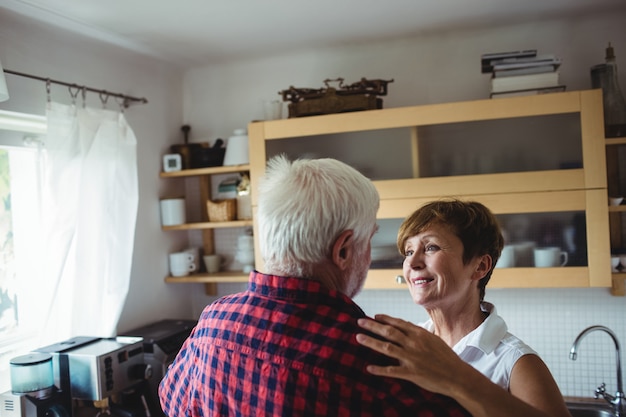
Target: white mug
[(213, 263), (172, 211), (273, 109), (549, 257), (181, 263), (507, 257)]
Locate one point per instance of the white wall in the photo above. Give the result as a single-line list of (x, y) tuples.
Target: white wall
[(32, 48), (432, 69)]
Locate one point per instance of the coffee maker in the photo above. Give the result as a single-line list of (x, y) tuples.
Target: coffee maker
[(90, 376), (33, 392)]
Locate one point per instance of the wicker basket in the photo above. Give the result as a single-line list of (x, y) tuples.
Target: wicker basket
[(222, 210)]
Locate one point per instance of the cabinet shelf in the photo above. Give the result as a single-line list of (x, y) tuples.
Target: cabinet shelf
[(571, 277), (615, 141), (228, 276), (485, 184), (204, 175), (205, 171), (209, 225)]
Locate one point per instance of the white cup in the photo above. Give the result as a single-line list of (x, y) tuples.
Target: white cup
[(213, 263), (181, 263), (507, 257), (549, 257), (273, 109), (172, 211)]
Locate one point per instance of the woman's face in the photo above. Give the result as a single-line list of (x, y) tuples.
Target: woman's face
[(434, 270)]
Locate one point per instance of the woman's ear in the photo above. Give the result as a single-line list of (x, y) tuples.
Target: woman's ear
[(482, 267), (343, 249)]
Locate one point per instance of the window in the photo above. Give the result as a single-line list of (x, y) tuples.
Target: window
[(19, 236)]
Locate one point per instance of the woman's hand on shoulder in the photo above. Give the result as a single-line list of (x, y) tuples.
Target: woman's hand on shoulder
[(423, 358)]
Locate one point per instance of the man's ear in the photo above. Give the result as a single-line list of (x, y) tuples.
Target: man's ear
[(343, 249)]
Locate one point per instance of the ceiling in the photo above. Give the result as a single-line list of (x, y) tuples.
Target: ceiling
[(196, 32)]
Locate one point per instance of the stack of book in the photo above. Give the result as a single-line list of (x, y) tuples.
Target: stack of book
[(520, 73)]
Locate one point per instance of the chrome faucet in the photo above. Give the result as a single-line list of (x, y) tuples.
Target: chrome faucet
[(616, 400)]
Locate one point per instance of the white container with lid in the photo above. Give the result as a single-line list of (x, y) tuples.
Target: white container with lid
[(237, 148), (32, 374)]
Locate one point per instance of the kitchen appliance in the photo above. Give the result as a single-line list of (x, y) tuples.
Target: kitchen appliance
[(161, 342), (89, 374), (33, 392), (96, 368)]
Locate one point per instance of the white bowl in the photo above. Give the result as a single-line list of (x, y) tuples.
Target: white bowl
[(615, 201)]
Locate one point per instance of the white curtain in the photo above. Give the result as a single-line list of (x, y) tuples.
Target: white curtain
[(89, 208)]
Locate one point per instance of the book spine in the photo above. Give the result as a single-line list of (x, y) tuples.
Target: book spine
[(486, 60), (524, 71), (521, 82), (529, 64), (528, 92)]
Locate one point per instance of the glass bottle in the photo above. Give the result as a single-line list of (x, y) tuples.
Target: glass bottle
[(605, 76)]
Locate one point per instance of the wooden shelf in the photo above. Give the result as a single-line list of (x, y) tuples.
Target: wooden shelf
[(571, 277), (228, 276), (206, 171), (615, 141), (204, 175), (209, 225)]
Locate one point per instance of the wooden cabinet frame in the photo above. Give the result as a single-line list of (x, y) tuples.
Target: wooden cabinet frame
[(581, 189)]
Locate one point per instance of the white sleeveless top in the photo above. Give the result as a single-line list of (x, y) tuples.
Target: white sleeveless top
[(490, 348)]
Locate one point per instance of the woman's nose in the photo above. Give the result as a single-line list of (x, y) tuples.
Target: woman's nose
[(414, 261)]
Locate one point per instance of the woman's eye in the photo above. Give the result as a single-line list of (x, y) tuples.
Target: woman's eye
[(408, 252), (432, 248)]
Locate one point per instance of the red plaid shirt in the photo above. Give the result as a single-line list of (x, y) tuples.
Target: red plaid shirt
[(287, 347)]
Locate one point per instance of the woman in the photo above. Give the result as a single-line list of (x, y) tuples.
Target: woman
[(464, 350)]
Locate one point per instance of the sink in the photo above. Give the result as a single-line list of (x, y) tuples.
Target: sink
[(589, 410)]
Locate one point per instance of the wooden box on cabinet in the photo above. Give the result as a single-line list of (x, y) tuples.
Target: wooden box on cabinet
[(578, 188)]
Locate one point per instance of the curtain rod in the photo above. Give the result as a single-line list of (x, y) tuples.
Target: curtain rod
[(127, 100)]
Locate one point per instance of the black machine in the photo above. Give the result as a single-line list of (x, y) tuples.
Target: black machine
[(161, 342)]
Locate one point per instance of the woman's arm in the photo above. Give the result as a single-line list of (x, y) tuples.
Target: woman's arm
[(427, 361)]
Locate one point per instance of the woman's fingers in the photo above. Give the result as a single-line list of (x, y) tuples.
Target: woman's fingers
[(381, 346), (390, 328)]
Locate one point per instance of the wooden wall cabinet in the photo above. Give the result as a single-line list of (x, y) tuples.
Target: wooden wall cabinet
[(579, 188)]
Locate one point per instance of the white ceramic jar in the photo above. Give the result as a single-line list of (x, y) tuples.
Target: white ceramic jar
[(237, 148)]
